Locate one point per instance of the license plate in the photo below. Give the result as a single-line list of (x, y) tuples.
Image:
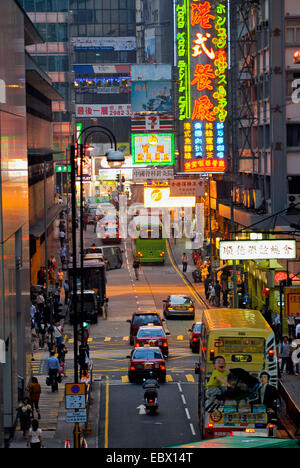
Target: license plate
[(180, 308), (152, 342), (148, 366)]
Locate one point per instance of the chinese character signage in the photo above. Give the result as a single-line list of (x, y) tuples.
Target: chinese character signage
[(202, 43), (258, 250), (292, 301), (154, 149), (142, 174), (187, 187), (103, 110)]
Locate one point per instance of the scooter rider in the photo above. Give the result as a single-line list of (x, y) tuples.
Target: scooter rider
[(150, 385)]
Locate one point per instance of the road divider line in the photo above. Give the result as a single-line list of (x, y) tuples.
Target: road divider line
[(169, 378), (106, 413), (125, 379)]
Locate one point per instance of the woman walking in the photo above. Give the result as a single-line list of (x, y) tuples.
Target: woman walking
[(34, 394), (35, 436)]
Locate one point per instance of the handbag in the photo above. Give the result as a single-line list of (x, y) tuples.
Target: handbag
[(59, 378), (48, 383)]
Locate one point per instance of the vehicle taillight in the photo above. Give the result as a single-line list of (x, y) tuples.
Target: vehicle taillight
[(165, 344), (271, 430), (150, 401), (162, 367), (194, 339), (137, 345), (162, 254), (271, 354), (191, 308), (211, 354), (132, 368), (170, 308)]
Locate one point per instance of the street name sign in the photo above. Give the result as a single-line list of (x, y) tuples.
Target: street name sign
[(76, 417), (258, 250)]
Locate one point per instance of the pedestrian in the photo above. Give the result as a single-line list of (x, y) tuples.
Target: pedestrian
[(297, 364), (212, 294), (62, 226), (67, 291), (42, 333), (95, 222), (60, 277), (35, 391), (25, 415), (41, 276), (85, 221), (40, 302), (136, 266), (218, 293), (52, 262), (53, 369), (291, 327), (63, 254), (207, 282), (34, 340), (285, 355), (32, 310), (184, 262), (58, 335), (35, 436), (62, 359), (297, 331), (62, 236), (276, 326)]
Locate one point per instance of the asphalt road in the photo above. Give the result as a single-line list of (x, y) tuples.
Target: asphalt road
[(123, 422)]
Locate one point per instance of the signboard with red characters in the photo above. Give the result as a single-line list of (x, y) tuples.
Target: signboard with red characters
[(202, 42)]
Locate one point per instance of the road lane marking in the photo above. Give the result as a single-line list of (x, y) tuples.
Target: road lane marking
[(180, 337), (106, 413), (187, 413), (125, 338), (108, 338), (169, 378), (192, 429), (125, 379), (190, 378)]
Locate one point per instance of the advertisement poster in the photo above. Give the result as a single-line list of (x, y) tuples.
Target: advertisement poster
[(153, 149), (151, 96)]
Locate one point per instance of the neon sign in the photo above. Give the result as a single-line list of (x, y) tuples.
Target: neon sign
[(202, 42)]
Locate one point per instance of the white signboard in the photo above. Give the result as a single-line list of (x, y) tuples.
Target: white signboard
[(103, 110), (258, 250), (75, 401), (76, 417), (156, 197), (104, 43), (141, 175), (187, 187), (2, 352)]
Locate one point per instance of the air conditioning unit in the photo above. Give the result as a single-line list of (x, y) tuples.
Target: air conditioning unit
[(293, 198), (257, 198)]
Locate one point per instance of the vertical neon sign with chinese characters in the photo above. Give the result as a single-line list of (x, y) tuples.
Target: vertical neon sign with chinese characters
[(207, 61)]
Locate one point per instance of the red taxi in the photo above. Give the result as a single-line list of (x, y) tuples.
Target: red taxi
[(195, 335), (153, 336), (145, 360)]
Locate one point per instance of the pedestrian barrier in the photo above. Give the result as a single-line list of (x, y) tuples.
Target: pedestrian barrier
[(87, 378)]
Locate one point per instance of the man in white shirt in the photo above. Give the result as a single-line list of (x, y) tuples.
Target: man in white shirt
[(297, 330)]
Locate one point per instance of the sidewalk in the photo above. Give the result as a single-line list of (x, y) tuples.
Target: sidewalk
[(55, 430)]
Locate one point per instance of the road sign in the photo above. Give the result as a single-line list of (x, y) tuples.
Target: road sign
[(76, 417), (75, 396)]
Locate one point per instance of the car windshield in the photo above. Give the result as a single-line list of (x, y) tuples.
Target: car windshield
[(147, 354), (184, 300), (144, 319), (197, 327), (153, 332)]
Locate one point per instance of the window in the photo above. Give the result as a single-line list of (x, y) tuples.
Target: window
[(29, 5), (40, 5), (293, 134), (51, 5)]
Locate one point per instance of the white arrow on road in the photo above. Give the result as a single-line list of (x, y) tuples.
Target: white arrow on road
[(142, 409)]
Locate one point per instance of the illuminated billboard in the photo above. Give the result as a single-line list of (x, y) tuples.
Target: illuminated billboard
[(156, 149), (202, 43), (159, 197), (258, 250)]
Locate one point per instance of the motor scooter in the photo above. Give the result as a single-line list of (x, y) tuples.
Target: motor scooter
[(150, 395)]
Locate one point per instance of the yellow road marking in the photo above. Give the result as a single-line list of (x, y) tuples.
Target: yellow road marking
[(169, 378), (190, 378), (125, 378), (125, 338), (108, 338), (180, 337), (106, 413)]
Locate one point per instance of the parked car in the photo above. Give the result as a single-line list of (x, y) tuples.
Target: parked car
[(144, 361), (179, 306), (195, 335), (140, 319), (152, 336)]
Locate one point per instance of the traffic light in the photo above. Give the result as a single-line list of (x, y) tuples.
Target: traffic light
[(118, 177), (123, 179), (82, 356)]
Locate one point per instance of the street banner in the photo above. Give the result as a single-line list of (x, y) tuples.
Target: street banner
[(258, 250), (103, 110)]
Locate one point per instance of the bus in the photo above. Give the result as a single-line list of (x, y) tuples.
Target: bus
[(238, 375), (150, 244), (94, 279)]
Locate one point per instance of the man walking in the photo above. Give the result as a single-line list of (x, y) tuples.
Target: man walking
[(53, 368), (136, 266), (184, 262)]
